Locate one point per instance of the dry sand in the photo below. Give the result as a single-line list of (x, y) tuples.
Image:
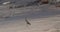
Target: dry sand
[(42, 19)]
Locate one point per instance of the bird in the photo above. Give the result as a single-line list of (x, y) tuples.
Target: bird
[(27, 22)]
